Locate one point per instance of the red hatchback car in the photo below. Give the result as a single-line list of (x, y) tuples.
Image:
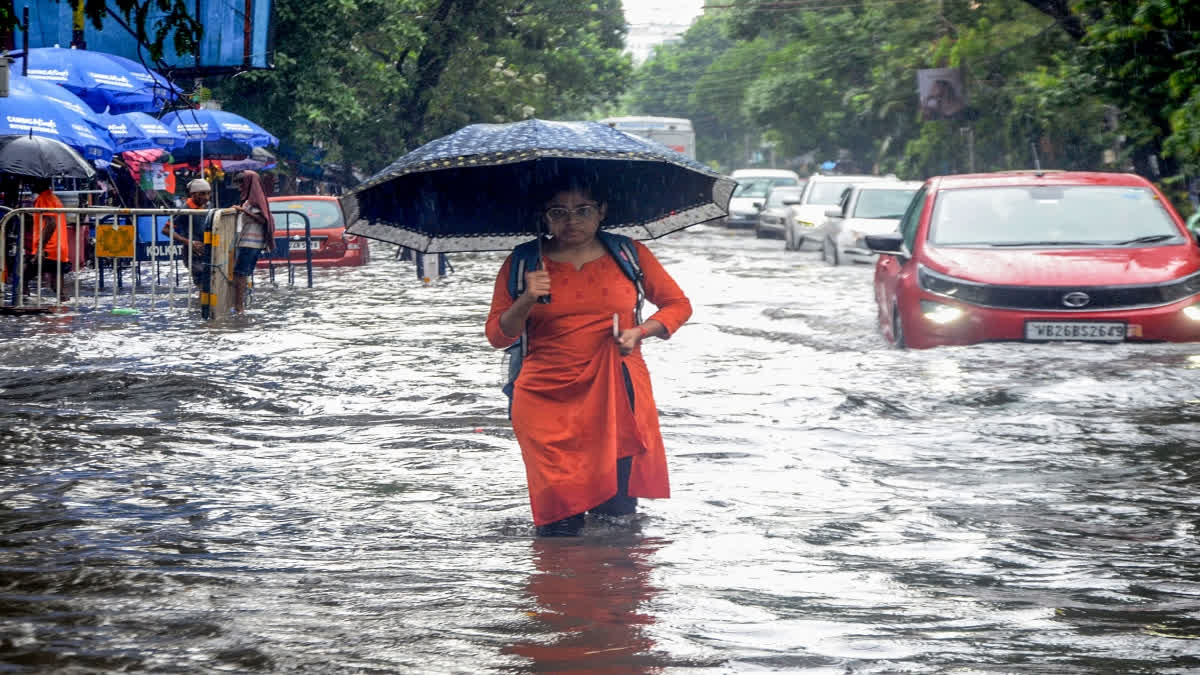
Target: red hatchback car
[(331, 246), (1039, 257)]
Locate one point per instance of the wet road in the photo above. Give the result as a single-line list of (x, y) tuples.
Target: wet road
[(331, 485)]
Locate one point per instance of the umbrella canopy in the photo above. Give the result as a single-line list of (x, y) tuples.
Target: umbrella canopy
[(56, 116), (41, 157), (210, 126), (163, 90), (104, 81), (473, 190), (139, 131)]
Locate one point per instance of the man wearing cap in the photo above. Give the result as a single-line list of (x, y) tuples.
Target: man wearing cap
[(190, 232)]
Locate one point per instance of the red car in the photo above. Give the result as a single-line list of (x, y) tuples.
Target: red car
[(331, 246), (1039, 257)]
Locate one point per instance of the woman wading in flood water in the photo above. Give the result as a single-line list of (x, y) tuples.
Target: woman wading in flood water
[(582, 408)]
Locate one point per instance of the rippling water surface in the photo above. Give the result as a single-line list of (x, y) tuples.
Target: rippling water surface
[(331, 484)]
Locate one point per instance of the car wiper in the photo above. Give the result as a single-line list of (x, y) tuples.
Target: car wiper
[(1046, 243), (1148, 239)]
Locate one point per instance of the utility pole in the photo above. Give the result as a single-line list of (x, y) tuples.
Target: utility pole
[(969, 133), (77, 24)]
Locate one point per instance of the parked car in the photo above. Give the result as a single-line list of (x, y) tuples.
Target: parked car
[(753, 186), (776, 211), (821, 193), (331, 246), (1038, 256), (866, 208)]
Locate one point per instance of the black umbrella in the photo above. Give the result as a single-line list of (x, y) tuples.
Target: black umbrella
[(474, 189), (41, 157)]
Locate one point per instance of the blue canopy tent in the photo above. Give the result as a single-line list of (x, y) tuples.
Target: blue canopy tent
[(232, 134), (139, 131), (105, 82), (56, 115)]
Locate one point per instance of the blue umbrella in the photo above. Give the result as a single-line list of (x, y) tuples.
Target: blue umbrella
[(104, 81), (163, 90), (55, 115), (216, 133), (202, 124), (139, 131), (471, 190)]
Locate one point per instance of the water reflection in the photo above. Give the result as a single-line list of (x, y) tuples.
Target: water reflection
[(590, 616)]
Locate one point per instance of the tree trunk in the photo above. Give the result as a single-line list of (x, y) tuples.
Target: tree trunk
[(1060, 11), (446, 34)]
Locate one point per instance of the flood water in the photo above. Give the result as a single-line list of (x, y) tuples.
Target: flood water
[(331, 485)]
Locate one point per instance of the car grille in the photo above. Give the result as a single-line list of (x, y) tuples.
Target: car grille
[(1056, 297)]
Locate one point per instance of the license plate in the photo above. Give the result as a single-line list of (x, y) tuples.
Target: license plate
[(1092, 331), (299, 245)]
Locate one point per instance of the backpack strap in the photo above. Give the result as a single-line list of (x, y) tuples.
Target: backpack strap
[(525, 257), (622, 250)]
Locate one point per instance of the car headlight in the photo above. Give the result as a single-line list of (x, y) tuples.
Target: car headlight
[(804, 223), (959, 289), (940, 313), (1192, 312)]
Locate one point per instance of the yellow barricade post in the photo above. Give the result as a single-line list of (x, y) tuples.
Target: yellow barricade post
[(222, 245)]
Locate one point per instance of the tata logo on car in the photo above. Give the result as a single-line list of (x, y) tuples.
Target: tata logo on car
[(1076, 299)]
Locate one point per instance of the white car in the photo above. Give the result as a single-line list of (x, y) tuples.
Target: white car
[(751, 193), (820, 194), (867, 208)]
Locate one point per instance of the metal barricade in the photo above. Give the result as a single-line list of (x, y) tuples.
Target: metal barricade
[(111, 235), (285, 249)]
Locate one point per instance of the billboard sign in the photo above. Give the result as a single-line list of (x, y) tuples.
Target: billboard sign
[(941, 93), (236, 35)]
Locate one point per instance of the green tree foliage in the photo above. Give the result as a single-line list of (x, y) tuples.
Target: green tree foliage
[(1072, 84), (703, 77), (370, 79), (1143, 56)]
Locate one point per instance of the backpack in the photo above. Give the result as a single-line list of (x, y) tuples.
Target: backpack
[(527, 256)]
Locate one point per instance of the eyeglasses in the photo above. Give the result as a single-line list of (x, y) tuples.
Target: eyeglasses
[(559, 214)]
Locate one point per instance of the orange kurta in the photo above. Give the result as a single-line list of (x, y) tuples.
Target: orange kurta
[(570, 409)]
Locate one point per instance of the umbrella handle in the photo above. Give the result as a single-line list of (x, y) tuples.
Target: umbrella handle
[(542, 299)]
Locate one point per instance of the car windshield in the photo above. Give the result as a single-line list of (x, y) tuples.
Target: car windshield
[(1050, 215), (753, 188), (778, 195), (882, 203), (321, 213), (827, 194)]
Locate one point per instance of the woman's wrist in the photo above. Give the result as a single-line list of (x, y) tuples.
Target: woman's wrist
[(645, 333)]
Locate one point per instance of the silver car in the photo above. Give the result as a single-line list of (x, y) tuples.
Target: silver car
[(864, 209), (776, 212)]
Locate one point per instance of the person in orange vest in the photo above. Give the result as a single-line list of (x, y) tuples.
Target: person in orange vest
[(50, 238), (189, 230)]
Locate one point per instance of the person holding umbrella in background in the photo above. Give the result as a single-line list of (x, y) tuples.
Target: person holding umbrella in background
[(256, 231), (582, 408)]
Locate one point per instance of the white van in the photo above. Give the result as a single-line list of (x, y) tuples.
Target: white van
[(753, 186)]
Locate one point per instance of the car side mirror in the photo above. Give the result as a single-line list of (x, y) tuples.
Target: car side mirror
[(833, 213), (758, 205), (892, 242)]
